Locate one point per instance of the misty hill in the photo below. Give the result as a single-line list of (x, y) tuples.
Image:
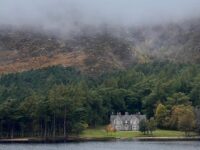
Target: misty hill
[(98, 50), (24, 50)]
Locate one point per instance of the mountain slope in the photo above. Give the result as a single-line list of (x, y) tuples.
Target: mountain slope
[(95, 52), (24, 50)]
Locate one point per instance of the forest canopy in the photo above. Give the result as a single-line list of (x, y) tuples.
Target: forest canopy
[(61, 101)]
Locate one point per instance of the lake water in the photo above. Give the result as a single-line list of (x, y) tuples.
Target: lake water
[(106, 146)]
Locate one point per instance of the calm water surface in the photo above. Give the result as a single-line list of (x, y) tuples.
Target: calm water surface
[(106, 146)]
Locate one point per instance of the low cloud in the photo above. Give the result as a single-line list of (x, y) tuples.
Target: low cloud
[(71, 15)]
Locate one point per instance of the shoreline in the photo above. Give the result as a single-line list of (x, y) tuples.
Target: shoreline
[(106, 139)]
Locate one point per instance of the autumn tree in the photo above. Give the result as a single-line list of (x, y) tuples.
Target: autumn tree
[(161, 114), (197, 114), (176, 112), (186, 120), (110, 129)]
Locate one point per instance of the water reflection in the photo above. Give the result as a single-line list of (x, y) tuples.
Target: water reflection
[(106, 146)]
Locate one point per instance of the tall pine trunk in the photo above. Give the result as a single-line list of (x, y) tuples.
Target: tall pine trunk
[(12, 132), (1, 130), (45, 128), (54, 125), (64, 122)]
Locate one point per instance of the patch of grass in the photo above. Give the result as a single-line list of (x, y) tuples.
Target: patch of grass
[(101, 133)]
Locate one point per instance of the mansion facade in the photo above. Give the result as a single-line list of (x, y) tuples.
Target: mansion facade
[(126, 122)]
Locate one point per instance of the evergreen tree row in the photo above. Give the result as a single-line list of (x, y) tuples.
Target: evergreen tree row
[(60, 101)]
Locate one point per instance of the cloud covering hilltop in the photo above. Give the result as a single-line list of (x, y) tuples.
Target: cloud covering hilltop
[(97, 35), (72, 14)]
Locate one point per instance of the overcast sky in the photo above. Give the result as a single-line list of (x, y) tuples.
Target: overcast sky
[(54, 14)]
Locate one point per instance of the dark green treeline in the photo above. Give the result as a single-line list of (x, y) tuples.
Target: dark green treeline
[(59, 101)]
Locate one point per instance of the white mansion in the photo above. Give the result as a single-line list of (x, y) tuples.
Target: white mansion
[(126, 122)]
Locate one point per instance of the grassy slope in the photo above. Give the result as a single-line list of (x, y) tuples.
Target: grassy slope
[(101, 133)]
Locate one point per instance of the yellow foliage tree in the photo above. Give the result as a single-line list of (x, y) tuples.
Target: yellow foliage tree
[(110, 129)]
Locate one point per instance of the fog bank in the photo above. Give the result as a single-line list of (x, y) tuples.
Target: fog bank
[(71, 15)]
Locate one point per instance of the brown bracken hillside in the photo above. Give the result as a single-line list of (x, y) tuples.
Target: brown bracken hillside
[(94, 52)]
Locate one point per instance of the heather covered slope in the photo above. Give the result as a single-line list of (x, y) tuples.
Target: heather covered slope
[(95, 50), (25, 50)]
